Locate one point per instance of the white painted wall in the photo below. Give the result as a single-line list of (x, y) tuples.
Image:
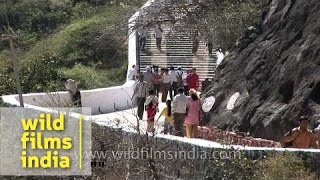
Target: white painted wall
[(103, 100)]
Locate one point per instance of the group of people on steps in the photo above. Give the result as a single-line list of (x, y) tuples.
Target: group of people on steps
[(182, 105)]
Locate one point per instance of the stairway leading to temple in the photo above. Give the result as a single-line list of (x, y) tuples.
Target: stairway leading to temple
[(177, 51)]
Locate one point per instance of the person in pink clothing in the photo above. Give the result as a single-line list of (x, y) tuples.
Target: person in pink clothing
[(193, 114)]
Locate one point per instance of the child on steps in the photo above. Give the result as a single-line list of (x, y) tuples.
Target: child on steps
[(168, 124)]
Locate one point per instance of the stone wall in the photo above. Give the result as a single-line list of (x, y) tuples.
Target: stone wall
[(188, 161), (231, 138)]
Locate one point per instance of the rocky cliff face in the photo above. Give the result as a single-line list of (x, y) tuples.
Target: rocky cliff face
[(276, 69)]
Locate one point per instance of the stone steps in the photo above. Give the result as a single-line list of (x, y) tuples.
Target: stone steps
[(209, 69), (202, 71), (176, 50), (179, 56), (184, 62), (176, 45), (163, 63)]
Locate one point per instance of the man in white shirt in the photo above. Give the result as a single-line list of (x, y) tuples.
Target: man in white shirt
[(140, 93), (132, 73), (148, 76), (174, 80), (158, 35), (179, 109), (71, 86)]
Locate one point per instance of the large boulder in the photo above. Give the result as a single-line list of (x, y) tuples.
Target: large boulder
[(276, 69)]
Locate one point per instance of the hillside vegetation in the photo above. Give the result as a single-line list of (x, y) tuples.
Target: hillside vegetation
[(82, 40)]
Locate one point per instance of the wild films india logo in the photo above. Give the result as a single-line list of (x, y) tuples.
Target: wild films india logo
[(44, 143)]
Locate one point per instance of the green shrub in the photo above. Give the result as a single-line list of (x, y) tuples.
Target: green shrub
[(118, 75), (37, 17), (7, 79), (85, 41), (90, 77), (90, 44), (26, 39), (232, 168), (41, 75), (7, 84), (82, 10), (282, 167)]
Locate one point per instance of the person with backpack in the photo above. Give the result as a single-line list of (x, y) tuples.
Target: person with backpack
[(300, 137), (168, 123)]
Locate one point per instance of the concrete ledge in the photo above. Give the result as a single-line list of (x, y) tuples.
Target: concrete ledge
[(104, 100)]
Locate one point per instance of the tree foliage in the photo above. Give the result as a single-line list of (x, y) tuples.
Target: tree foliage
[(41, 75), (97, 78)]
